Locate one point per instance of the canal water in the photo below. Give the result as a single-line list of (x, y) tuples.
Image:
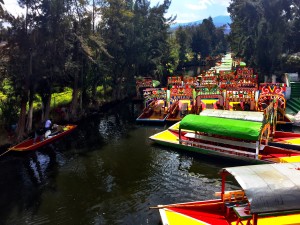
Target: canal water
[(107, 172)]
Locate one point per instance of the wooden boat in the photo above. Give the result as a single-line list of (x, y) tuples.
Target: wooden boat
[(181, 102), (288, 140), (155, 105), (29, 144), (282, 139), (269, 92), (270, 194), (154, 112), (234, 138), (180, 109)]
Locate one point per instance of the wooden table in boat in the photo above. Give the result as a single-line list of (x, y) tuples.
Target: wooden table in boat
[(242, 215)]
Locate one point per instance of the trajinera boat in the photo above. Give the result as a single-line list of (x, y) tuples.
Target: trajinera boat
[(270, 194), (29, 144), (155, 105), (243, 138)]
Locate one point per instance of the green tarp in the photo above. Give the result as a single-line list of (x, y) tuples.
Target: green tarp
[(247, 130)]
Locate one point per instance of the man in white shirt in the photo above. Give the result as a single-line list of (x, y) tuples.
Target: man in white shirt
[(48, 126)]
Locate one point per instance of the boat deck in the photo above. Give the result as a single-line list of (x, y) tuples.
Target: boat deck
[(269, 154), (217, 216), (194, 217)]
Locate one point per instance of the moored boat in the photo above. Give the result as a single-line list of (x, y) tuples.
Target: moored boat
[(155, 105), (269, 194), (30, 144), (234, 138), (156, 111), (281, 139)]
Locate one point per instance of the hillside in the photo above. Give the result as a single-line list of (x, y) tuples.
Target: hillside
[(218, 21)]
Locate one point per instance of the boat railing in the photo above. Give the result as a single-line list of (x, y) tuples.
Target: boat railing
[(224, 150), (250, 145)]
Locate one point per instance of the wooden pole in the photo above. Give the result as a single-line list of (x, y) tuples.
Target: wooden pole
[(186, 205)]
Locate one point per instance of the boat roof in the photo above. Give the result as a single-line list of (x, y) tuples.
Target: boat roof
[(242, 129), (240, 115), (270, 187)]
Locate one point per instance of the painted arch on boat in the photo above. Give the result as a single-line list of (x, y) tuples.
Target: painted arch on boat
[(246, 130)]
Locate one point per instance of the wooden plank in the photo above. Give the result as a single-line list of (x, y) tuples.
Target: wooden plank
[(250, 145), (220, 149)]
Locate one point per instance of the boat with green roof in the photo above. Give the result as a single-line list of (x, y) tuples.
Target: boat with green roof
[(240, 139)]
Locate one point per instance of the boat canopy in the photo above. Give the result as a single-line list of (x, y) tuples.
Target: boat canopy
[(246, 130), (270, 187), (240, 115)]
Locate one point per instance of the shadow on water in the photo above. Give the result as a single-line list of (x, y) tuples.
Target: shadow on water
[(106, 172), (24, 177)]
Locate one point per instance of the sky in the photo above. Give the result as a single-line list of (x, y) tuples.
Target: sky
[(194, 10), (185, 10)]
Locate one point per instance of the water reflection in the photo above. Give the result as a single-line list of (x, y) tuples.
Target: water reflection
[(106, 172)]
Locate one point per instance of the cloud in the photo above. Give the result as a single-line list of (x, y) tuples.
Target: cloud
[(13, 7), (201, 5), (222, 2), (205, 4)]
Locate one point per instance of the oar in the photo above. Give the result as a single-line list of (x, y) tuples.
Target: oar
[(5, 152), (186, 205), (9, 149)]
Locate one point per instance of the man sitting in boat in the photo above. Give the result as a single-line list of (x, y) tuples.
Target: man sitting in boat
[(48, 127)]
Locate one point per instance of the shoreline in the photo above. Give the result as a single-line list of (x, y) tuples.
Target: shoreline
[(7, 141)]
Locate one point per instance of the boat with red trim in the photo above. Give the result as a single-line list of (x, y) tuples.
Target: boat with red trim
[(269, 194), (239, 139), (30, 144)]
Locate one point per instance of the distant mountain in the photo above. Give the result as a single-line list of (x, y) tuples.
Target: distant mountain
[(218, 21)]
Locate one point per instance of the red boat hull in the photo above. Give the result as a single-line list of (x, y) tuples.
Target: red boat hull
[(29, 145)]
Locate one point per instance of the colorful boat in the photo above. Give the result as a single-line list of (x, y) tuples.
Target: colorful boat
[(155, 111), (270, 194), (181, 103), (29, 144), (288, 140), (269, 92), (155, 105), (245, 140)]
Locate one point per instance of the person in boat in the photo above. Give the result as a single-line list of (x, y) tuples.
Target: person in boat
[(48, 127)]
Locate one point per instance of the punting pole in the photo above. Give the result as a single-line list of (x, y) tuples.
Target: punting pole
[(5, 152), (184, 205)]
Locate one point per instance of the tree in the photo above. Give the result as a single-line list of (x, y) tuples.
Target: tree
[(259, 30), (184, 40)]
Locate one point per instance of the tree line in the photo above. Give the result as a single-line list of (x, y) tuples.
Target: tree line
[(83, 44), (266, 34)]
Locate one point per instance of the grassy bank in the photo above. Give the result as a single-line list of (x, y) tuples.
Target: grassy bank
[(60, 102)]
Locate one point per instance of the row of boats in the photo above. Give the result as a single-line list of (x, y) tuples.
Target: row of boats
[(269, 190), (235, 90)]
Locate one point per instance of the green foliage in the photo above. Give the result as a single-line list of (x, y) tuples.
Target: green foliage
[(2, 96), (262, 31), (8, 110), (62, 98), (101, 91)]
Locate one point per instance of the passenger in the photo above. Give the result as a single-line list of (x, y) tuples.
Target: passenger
[(48, 127)]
